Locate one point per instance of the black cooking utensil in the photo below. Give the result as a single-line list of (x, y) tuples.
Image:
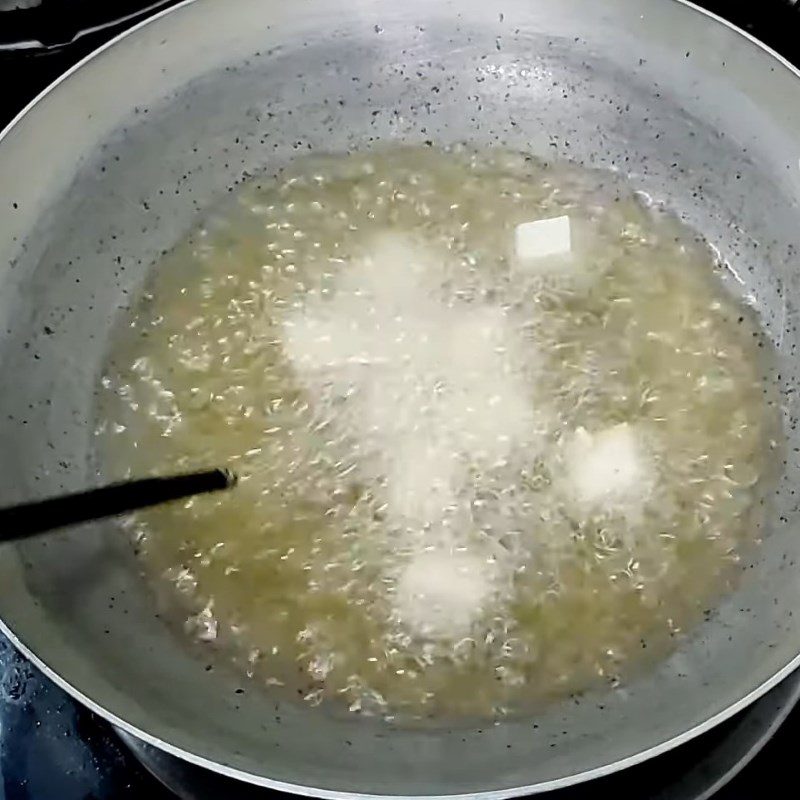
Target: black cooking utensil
[(28, 519)]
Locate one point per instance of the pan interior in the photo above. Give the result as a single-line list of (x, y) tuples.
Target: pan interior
[(470, 483)]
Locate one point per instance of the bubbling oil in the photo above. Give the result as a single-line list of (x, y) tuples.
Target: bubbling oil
[(468, 485)]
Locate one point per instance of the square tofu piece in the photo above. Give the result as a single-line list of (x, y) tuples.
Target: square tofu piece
[(542, 238), (609, 466)]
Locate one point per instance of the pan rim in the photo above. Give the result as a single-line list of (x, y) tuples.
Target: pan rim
[(333, 794)]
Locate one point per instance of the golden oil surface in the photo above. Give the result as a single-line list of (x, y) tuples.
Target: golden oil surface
[(425, 429)]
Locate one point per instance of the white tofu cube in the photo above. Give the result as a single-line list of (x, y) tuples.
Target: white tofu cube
[(542, 238), (610, 467)]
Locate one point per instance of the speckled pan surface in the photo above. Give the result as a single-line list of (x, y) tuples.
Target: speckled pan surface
[(115, 163)]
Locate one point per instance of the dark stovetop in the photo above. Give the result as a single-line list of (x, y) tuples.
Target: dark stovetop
[(51, 748)]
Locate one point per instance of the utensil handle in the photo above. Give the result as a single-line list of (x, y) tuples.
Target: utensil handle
[(29, 519)]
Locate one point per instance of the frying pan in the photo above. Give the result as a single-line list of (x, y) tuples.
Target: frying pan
[(121, 156)]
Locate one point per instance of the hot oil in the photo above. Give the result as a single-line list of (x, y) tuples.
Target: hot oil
[(426, 430)]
